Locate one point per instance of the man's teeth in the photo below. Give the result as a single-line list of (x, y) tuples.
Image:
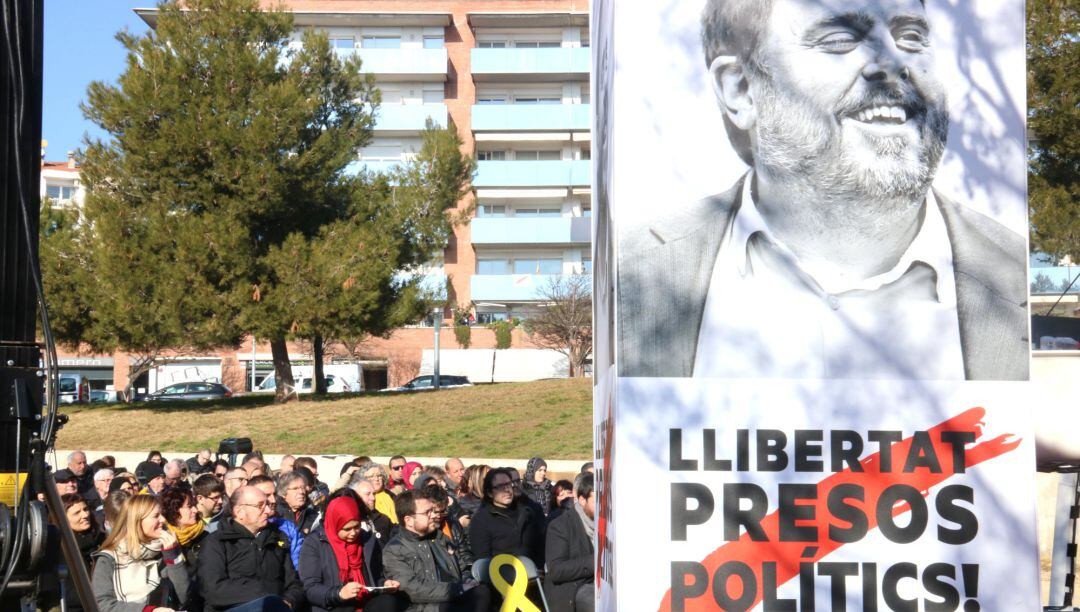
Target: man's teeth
[(894, 114)]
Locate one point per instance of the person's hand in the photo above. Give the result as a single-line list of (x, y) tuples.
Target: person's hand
[(164, 610), (168, 539), (350, 591), (352, 469), (469, 584), (464, 521), (392, 585)]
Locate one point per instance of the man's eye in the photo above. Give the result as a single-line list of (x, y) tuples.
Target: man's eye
[(912, 39), (838, 42)]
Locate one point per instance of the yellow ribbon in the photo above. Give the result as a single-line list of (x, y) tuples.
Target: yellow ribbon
[(513, 594)]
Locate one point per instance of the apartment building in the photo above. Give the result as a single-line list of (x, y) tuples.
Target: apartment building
[(60, 181), (512, 78)]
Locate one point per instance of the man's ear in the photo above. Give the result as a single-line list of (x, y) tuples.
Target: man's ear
[(732, 89)]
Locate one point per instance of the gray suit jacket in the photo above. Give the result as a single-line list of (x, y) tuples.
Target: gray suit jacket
[(664, 270)]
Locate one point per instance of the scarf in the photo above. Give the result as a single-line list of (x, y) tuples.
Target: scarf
[(385, 505), (407, 472), (588, 523), (136, 576), (349, 556), (187, 535)]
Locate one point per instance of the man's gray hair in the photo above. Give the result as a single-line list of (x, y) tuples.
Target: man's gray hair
[(72, 454), (104, 473), (287, 479), (175, 464)]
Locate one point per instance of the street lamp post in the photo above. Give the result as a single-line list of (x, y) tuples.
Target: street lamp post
[(438, 321)]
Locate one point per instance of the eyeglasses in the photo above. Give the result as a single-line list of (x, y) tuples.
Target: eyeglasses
[(295, 489), (267, 504), (396, 467), (238, 478), (430, 513)]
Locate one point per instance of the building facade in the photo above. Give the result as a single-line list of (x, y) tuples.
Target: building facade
[(512, 78)]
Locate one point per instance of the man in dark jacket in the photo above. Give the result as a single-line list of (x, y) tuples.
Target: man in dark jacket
[(246, 562), (569, 550), (293, 503), (79, 472), (201, 463), (431, 577)]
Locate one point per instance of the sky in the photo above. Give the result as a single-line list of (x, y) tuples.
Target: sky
[(80, 47)]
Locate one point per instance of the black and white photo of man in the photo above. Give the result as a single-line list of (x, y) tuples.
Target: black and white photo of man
[(834, 256)]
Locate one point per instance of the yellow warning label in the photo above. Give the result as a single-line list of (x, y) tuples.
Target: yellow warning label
[(8, 488)]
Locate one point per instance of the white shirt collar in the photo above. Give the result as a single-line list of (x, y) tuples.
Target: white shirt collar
[(931, 246)]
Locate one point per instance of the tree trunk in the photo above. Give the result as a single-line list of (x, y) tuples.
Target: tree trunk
[(317, 372), (284, 385)]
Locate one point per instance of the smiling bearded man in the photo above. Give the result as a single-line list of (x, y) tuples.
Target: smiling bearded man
[(833, 257)]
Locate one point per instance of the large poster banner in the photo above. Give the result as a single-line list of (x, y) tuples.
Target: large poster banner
[(811, 306)]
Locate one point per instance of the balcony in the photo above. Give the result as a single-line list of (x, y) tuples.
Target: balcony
[(508, 287), (530, 231), (531, 117), (558, 64), (548, 173), (408, 117), (411, 64)]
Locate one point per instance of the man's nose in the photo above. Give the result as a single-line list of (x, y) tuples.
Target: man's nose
[(888, 63)]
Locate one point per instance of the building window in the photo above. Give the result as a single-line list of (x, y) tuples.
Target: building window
[(491, 155), (381, 42), (538, 266), (432, 96), (492, 210), (585, 96), (537, 213), (537, 155), (537, 99), (491, 99), (537, 44), (586, 212), (60, 193), (491, 44), (343, 42), (586, 154), (434, 42), (493, 266), (485, 318), (586, 265)]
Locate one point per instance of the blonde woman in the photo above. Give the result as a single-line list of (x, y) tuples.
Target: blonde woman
[(140, 565)]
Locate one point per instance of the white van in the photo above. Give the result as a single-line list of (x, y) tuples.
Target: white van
[(340, 378), (74, 389)]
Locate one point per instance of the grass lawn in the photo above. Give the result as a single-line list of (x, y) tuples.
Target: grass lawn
[(550, 418)]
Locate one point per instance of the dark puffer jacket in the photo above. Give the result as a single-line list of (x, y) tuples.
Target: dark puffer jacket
[(429, 573), (236, 567)]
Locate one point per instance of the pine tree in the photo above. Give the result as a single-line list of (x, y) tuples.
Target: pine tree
[(1053, 50), (220, 202)]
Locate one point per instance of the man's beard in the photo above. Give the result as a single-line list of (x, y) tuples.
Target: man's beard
[(802, 144)]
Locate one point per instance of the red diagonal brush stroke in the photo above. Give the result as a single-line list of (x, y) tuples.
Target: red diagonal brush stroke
[(788, 555)]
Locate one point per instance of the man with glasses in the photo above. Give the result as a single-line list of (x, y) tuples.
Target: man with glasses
[(431, 577), (210, 501), (245, 565), (365, 488), (221, 467), (234, 479), (396, 486)]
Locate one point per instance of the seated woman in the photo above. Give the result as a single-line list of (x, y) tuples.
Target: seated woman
[(87, 535), (140, 565), (182, 520), (336, 567)]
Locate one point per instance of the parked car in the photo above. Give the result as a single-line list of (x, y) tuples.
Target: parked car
[(197, 390), (427, 383), (100, 396), (334, 384), (74, 389)]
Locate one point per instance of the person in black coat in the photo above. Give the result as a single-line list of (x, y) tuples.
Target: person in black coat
[(506, 524), (570, 554), (339, 560), (246, 561)]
